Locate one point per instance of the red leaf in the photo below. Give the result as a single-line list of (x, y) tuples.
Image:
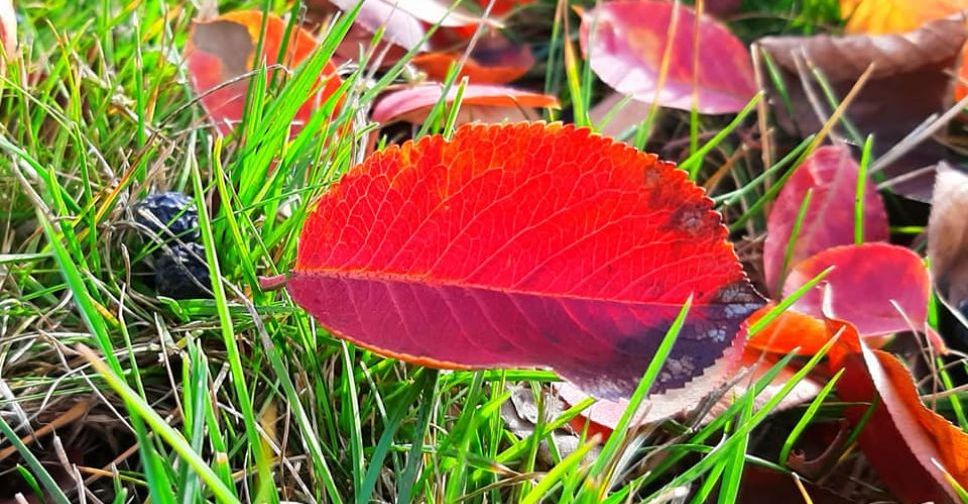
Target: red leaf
[(626, 51), (830, 174), (222, 50), (902, 438), (866, 283), (527, 244), (495, 60), (413, 104)]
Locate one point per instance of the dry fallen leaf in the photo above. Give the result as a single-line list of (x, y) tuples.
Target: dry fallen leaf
[(789, 331), (604, 415), (431, 238), (915, 65), (761, 484), (630, 115), (400, 27), (948, 234), (429, 11), (948, 252)]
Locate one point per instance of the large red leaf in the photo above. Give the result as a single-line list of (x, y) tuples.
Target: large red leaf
[(479, 102), (527, 245), (220, 52), (830, 175), (903, 439), (627, 47), (878, 287)]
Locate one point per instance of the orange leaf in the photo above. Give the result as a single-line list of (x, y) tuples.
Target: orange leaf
[(790, 330), (221, 51), (902, 438), (495, 60)]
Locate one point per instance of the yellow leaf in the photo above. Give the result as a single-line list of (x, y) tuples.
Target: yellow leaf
[(895, 16)]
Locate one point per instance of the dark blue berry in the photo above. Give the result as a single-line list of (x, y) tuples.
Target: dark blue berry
[(181, 271), (172, 210)]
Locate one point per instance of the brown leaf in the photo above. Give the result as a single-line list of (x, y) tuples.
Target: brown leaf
[(604, 415), (948, 234), (912, 65)]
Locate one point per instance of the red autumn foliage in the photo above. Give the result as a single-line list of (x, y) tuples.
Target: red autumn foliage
[(878, 287), (221, 51), (904, 440), (494, 60), (424, 253), (830, 176)]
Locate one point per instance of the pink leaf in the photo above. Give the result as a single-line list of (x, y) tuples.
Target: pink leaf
[(627, 47), (430, 11), (479, 102)]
